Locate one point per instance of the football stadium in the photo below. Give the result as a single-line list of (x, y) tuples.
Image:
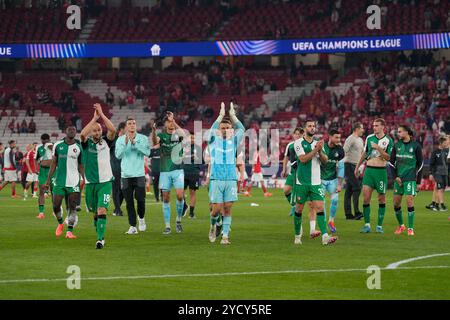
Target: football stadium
[(224, 150)]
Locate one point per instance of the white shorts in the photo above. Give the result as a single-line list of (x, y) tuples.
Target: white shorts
[(239, 174), (11, 176), (257, 177), (31, 177)]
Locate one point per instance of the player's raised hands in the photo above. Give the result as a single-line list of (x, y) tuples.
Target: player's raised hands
[(232, 110), (375, 146), (98, 108), (319, 145), (222, 110)]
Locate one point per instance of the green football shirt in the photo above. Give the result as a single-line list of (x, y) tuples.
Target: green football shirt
[(69, 158), (43, 152), (386, 143), (329, 170), (407, 160), (307, 173), (171, 151), (97, 160), (292, 157)]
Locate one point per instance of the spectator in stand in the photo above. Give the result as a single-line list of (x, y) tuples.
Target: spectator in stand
[(335, 16), (24, 126), (109, 97), (12, 125), (30, 110), (15, 99), (32, 126), (130, 100), (267, 114), (61, 122)]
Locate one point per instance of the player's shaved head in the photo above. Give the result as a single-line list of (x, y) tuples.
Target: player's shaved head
[(97, 131)]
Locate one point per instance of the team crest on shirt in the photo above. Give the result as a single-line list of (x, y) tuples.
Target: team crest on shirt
[(411, 150), (74, 150), (336, 154)]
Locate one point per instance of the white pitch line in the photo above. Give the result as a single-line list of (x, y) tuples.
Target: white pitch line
[(203, 275), (398, 263)]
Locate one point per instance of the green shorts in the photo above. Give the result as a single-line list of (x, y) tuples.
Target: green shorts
[(290, 180), (63, 191), (376, 178), (98, 195), (43, 174), (408, 188), (302, 193)]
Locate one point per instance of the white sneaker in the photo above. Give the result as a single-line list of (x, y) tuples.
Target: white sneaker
[(35, 196), (298, 239), (142, 225), (225, 240), (132, 230), (326, 240), (212, 234)]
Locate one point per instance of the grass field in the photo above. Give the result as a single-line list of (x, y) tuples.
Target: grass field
[(261, 263)]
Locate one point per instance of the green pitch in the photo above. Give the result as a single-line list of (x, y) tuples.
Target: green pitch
[(261, 263)]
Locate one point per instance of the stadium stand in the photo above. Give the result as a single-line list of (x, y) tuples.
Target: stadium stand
[(241, 20)]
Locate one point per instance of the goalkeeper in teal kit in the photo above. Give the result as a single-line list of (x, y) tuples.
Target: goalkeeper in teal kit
[(225, 138)]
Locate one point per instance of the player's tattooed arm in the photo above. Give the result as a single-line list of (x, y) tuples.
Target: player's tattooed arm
[(109, 125), (88, 128), (155, 138)]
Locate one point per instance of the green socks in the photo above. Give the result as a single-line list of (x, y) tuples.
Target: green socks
[(322, 222), (399, 215), (41, 208), (411, 218), (381, 212), (101, 227), (297, 223), (366, 212)]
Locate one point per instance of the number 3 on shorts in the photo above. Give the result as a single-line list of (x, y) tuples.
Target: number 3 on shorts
[(382, 190)]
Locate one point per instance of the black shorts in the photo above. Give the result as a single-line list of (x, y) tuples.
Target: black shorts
[(191, 181), (441, 181)]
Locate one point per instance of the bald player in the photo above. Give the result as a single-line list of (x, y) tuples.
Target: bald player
[(99, 176)]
